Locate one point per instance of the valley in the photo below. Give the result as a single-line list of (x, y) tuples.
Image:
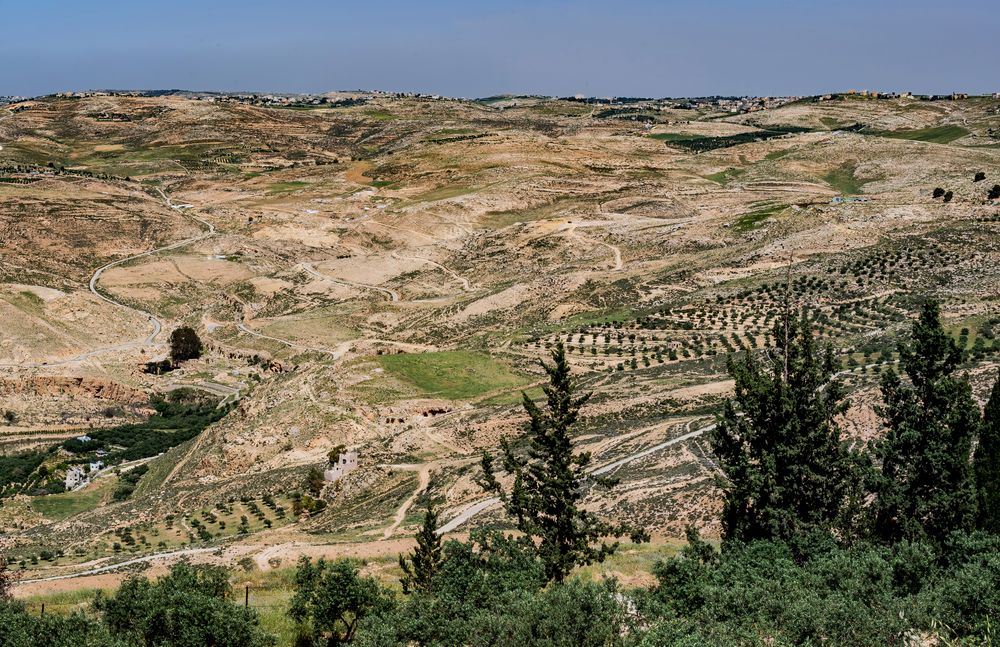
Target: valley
[(383, 274)]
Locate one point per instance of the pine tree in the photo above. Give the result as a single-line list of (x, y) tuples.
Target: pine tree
[(549, 483), (986, 464), (925, 488), (778, 443), (425, 561)]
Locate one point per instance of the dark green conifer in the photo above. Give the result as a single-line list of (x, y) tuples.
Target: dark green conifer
[(549, 482), (778, 444), (425, 561), (986, 464), (925, 488)]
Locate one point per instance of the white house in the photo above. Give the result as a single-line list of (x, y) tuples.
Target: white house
[(346, 463), (76, 478)]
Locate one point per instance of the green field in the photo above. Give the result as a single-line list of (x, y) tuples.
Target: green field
[(279, 187), (456, 375), (934, 135), (751, 220), (843, 179), (67, 504), (723, 177), (380, 115), (674, 137)]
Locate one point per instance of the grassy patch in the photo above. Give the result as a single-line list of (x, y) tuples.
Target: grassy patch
[(27, 301), (723, 177), (159, 468), (380, 115), (752, 220), (67, 504), (844, 180), (444, 193), (454, 375), (933, 135), (513, 397), (631, 561), (280, 187)]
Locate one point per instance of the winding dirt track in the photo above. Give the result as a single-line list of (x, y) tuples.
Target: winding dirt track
[(336, 353), (392, 294), (153, 320), (475, 508), (423, 480), (466, 286)]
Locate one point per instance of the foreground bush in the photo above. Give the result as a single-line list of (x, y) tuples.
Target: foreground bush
[(189, 607), (855, 596), (20, 628)]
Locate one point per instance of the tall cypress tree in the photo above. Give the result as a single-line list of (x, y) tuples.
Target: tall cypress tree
[(426, 560), (778, 443), (549, 482), (925, 488), (986, 464)]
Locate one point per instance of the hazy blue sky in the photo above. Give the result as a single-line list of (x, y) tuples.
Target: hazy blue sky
[(478, 47)]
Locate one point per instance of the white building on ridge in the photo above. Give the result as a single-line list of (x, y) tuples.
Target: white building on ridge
[(346, 463)]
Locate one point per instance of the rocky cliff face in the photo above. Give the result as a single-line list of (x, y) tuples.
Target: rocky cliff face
[(86, 387)]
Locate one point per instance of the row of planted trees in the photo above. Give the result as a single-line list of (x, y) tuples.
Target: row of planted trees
[(826, 540)]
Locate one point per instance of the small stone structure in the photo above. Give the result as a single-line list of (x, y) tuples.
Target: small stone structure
[(76, 478), (346, 463)]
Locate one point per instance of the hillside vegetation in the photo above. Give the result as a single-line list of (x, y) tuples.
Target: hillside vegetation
[(382, 274)]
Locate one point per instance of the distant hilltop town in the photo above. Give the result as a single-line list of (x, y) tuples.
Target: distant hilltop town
[(613, 107)]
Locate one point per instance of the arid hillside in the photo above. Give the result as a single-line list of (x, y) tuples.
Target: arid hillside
[(383, 274)]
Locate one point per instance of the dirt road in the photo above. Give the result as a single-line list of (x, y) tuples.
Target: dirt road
[(466, 286), (112, 567), (157, 325), (392, 294), (423, 480)]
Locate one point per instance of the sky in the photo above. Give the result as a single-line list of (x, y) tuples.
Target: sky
[(478, 48)]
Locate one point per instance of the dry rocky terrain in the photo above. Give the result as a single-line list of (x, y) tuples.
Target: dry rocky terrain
[(385, 276)]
